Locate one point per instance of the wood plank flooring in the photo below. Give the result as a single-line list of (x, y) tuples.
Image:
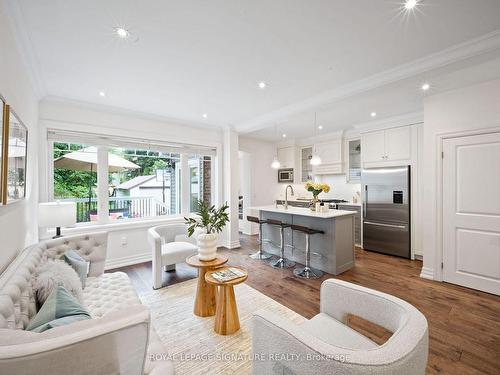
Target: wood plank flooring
[(464, 324)]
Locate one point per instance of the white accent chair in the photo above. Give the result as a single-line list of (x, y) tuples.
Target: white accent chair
[(170, 245), (324, 345)]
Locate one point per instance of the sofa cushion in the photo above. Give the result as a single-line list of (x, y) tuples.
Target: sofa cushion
[(80, 265), (109, 292), (60, 308), (333, 332), (176, 252), (52, 274)]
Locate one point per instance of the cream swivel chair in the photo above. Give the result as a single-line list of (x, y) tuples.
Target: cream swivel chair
[(170, 245), (324, 345)]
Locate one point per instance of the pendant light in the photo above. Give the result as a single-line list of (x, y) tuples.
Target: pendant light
[(315, 159), (276, 163)]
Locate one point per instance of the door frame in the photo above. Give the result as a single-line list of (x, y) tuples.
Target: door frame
[(440, 138)]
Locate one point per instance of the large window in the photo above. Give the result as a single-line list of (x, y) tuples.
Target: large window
[(142, 182), (75, 177), (147, 187)]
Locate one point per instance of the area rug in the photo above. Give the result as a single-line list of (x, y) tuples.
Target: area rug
[(191, 341)]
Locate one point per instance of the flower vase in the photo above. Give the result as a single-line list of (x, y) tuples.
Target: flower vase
[(207, 246), (315, 200)]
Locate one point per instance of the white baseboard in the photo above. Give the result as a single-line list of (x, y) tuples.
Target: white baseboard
[(427, 273), (127, 261), (418, 257), (231, 244)]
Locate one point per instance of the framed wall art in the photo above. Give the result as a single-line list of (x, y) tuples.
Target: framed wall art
[(14, 156)]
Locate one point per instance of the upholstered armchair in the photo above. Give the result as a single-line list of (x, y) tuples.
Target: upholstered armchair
[(324, 345), (170, 245)]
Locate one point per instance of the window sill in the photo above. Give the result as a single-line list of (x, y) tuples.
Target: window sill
[(114, 226)]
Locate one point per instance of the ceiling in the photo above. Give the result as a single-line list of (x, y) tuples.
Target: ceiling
[(343, 58)]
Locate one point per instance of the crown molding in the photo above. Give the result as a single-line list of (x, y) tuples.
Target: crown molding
[(25, 47), (111, 110), (391, 122), (458, 52)]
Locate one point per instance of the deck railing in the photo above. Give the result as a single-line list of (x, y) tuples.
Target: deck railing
[(120, 208)]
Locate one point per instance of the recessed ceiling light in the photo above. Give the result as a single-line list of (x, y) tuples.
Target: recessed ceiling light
[(122, 33), (262, 85), (373, 114), (410, 4), (102, 93), (204, 115), (283, 135), (320, 127), (426, 86)]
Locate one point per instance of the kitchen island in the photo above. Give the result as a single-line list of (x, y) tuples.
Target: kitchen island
[(331, 252)]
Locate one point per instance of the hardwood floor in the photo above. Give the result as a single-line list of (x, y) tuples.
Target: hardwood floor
[(464, 324)]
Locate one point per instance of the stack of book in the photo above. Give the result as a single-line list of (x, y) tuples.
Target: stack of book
[(228, 274)]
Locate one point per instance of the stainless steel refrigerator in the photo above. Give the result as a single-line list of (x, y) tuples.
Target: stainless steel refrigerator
[(386, 210)]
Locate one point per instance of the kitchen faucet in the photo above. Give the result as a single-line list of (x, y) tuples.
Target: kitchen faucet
[(286, 195)]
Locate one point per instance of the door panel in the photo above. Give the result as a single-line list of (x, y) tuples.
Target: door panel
[(373, 146), (471, 212), (397, 143)]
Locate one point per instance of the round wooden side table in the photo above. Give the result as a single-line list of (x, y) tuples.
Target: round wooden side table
[(204, 303), (226, 316)]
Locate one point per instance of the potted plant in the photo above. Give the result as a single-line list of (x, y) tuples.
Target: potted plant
[(316, 189), (208, 223)]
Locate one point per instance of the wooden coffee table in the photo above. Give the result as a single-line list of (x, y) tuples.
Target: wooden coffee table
[(204, 303), (226, 316)]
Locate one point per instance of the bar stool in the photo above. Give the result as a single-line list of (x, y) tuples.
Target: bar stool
[(281, 262), (307, 272), (260, 255)]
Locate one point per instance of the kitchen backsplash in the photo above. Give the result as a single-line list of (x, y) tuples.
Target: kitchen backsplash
[(339, 189)]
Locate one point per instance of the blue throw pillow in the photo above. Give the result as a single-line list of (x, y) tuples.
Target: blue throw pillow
[(60, 308), (80, 265)]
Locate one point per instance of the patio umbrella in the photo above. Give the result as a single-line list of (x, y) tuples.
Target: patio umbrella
[(86, 160)]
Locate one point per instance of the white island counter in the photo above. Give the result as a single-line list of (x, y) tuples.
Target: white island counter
[(332, 251)]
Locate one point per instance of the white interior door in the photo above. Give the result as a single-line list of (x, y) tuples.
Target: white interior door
[(471, 212)]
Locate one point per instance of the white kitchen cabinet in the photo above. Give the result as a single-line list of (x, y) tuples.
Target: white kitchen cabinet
[(373, 146), (389, 145), (397, 143), (286, 156), (331, 157)]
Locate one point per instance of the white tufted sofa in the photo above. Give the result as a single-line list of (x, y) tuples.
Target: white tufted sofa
[(117, 340)]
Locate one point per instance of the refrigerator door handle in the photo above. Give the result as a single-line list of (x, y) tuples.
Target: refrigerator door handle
[(386, 225), (364, 201)]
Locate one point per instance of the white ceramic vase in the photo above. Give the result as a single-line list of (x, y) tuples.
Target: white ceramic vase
[(207, 246)]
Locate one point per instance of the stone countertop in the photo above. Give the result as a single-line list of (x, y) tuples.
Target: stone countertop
[(331, 214)]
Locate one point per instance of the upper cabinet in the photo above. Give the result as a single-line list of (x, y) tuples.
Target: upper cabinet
[(306, 172), (331, 157), (353, 155), (389, 145), (398, 143), (286, 156)]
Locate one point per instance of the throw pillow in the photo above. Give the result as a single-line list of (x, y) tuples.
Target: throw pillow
[(60, 308), (80, 265), (52, 274)]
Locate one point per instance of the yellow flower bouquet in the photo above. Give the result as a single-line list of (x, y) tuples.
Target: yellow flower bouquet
[(317, 188)]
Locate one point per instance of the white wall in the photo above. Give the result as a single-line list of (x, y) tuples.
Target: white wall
[(469, 108), (263, 179), (67, 115), (18, 226)]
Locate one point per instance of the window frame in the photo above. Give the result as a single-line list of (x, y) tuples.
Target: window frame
[(99, 141)]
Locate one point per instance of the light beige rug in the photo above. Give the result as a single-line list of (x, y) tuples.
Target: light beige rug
[(192, 342)]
